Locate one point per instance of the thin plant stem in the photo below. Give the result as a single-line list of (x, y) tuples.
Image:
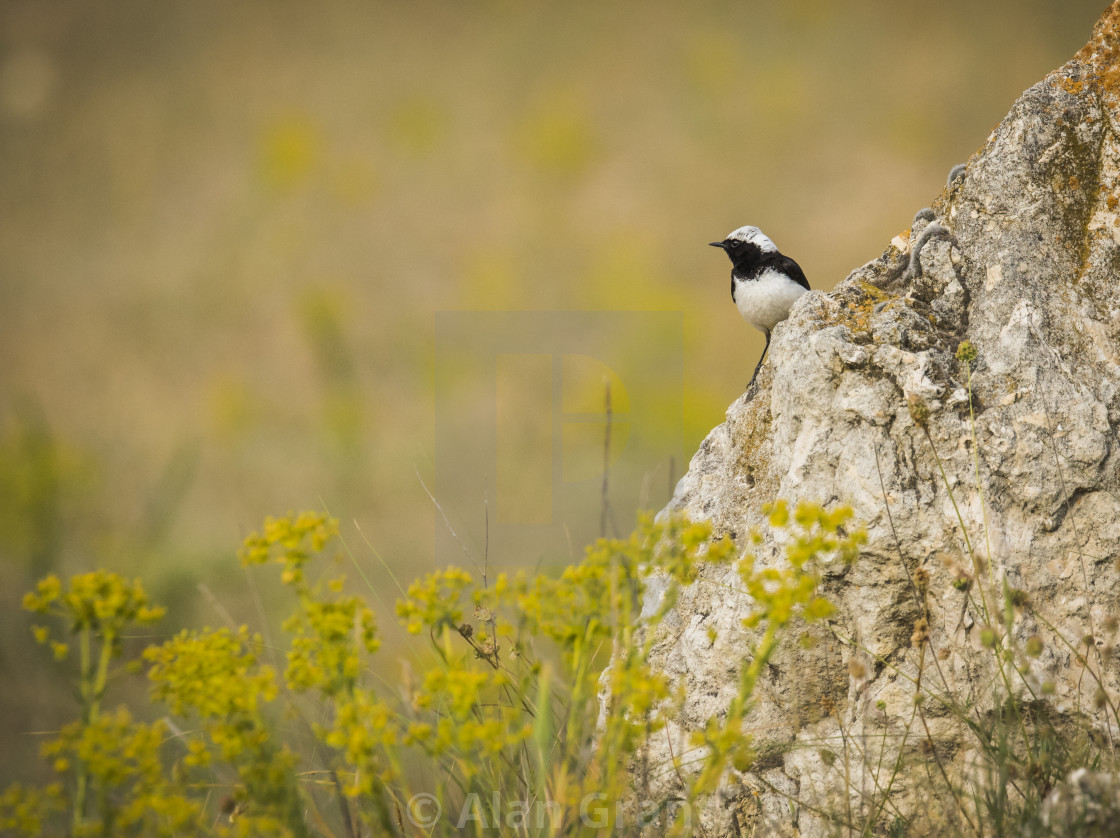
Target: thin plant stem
[(605, 494), (960, 521), (976, 471), (929, 738)]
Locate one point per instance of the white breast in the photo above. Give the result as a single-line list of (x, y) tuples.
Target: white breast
[(764, 302)]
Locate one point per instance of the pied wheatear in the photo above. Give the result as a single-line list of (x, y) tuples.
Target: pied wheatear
[(764, 282)]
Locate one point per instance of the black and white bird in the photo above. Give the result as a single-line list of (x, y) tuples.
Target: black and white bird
[(764, 282)]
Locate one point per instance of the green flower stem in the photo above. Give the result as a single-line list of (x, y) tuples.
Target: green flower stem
[(82, 778)]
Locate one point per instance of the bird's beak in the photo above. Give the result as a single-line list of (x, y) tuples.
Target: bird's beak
[(715, 244)]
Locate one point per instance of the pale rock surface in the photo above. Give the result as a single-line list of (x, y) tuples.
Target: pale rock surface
[(1030, 274), (1089, 801)]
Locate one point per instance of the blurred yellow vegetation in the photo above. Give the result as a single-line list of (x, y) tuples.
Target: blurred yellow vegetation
[(493, 281), (289, 153), (627, 272), (556, 134), (354, 181), (508, 701), (417, 124), (713, 61), (585, 381), (233, 408)]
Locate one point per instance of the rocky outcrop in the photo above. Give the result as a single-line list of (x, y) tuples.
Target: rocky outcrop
[(1020, 256)]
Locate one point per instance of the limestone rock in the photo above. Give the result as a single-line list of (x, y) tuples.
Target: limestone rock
[(1027, 268), (1087, 801)]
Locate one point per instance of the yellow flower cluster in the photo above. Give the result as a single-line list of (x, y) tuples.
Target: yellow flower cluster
[(434, 600), (211, 674), (291, 541), (507, 698), (328, 639), (100, 602)]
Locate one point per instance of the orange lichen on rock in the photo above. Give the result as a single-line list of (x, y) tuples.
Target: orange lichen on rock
[(1101, 58), (858, 304)]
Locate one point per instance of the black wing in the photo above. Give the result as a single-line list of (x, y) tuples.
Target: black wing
[(790, 269)]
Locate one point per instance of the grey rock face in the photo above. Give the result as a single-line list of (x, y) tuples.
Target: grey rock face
[(1025, 264), (1087, 800)]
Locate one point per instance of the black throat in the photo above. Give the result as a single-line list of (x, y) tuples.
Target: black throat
[(750, 261)]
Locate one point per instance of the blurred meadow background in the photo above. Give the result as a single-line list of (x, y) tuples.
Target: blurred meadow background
[(231, 235)]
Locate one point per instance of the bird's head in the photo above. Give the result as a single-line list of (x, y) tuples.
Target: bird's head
[(746, 243)]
